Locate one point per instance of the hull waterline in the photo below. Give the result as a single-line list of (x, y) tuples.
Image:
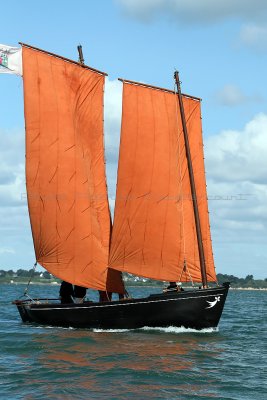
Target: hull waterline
[(195, 309)]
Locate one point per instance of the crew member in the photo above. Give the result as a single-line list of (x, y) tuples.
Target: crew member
[(79, 293), (66, 293)]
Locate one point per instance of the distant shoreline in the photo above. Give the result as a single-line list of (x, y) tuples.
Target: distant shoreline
[(249, 288), (136, 285)]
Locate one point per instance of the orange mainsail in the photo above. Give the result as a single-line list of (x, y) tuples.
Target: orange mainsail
[(65, 170), (154, 232)]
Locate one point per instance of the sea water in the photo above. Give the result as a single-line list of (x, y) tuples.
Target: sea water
[(38, 362)]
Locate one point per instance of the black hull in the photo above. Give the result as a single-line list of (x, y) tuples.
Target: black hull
[(195, 309)]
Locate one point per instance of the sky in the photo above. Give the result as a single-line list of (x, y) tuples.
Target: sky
[(220, 50)]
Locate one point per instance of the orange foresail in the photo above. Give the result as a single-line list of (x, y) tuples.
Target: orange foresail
[(154, 231), (65, 170), (194, 127)]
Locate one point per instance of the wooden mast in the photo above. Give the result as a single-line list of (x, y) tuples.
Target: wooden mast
[(80, 51), (192, 183)]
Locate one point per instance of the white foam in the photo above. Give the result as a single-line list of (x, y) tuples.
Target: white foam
[(169, 329), (175, 329), (110, 330)]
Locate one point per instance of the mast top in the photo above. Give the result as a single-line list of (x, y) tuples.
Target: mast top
[(177, 81), (80, 51)]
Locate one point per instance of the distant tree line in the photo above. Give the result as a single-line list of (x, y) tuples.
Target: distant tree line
[(247, 282), (22, 275)]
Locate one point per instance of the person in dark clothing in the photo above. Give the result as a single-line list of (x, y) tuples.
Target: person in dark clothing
[(66, 293), (173, 287), (104, 296), (79, 293)]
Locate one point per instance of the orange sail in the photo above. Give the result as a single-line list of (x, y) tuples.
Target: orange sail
[(154, 232), (65, 174)]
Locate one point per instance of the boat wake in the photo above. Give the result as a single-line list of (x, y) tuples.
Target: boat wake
[(169, 329), (97, 330), (175, 329)]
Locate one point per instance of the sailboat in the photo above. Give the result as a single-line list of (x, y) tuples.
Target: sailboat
[(161, 223)]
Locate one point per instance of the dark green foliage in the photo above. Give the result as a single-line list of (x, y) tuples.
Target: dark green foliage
[(247, 282)]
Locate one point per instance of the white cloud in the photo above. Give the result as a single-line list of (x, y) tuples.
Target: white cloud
[(253, 14), (237, 187), (194, 11), (6, 250), (237, 182), (113, 109), (12, 176), (112, 115), (232, 95), (15, 235), (234, 156), (254, 36)]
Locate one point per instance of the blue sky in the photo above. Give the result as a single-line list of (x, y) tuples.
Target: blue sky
[(219, 48)]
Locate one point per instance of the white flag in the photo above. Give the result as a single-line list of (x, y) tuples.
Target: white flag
[(10, 60)]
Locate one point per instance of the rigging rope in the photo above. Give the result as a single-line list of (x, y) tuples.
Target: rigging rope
[(185, 269), (27, 287)]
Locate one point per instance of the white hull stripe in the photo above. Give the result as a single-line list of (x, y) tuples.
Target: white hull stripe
[(120, 304)]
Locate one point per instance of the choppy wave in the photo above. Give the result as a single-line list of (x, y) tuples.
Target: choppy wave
[(159, 363)]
